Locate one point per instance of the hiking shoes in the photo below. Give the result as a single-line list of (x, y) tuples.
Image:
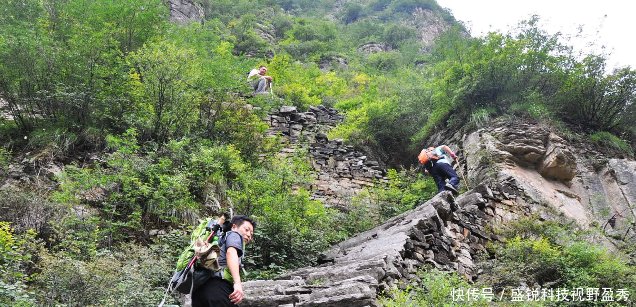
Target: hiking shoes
[(451, 188)]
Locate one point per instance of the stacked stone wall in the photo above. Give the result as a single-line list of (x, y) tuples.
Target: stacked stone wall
[(342, 171)]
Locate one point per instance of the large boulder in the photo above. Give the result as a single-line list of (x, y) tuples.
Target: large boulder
[(558, 161), (518, 144)]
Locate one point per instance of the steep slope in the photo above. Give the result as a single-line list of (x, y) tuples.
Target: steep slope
[(525, 170), (548, 175)]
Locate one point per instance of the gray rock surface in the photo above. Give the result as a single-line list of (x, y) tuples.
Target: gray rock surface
[(443, 232), (429, 26), (185, 11), (523, 169), (537, 171), (372, 47)]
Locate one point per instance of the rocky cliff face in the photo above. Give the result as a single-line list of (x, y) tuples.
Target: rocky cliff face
[(185, 11), (543, 173), (429, 26), (524, 169)]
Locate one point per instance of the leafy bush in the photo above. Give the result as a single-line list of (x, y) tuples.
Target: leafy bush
[(15, 262), (408, 6), (481, 117), (304, 50), (549, 254), (163, 93), (54, 142), (405, 191), (352, 12), (247, 41), (66, 68), (435, 289), (384, 61), (288, 219), (395, 35), (595, 101), (296, 82), (131, 275), (28, 209), (314, 30), (605, 138), (5, 159), (133, 189), (362, 32)]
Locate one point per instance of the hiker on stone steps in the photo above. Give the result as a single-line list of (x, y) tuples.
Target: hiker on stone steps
[(227, 290), (437, 162)]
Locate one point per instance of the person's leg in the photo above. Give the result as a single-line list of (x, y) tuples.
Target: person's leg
[(439, 179), (447, 171), (214, 293)]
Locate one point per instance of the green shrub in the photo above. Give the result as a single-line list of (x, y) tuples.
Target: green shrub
[(384, 61), (362, 32), (142, 282), (586, 265), (595, 100), (408, 6), (608, 139), (435, 289), (533, 105), (363, 213), (405, 191), (481, 117), (133, 189), (395, 35), (129, 275), (90, 281), (352, 12), (369, 208), (15, 262), (549, 254), (5, 159), (288, 220), (314, 30), (80, 233), (28, 208), (54, 142)]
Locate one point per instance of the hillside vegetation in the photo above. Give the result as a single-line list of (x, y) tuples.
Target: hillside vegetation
[(156, 127)]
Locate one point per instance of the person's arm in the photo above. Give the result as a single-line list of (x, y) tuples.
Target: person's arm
[(449, 151), (233, 264)]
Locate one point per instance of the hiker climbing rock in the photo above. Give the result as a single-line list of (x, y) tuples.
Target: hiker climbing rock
[(261, 83), (225, 287), (437, 162)]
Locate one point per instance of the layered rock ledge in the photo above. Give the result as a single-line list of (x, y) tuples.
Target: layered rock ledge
[(444, 232)]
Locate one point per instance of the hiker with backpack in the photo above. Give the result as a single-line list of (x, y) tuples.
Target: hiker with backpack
[(261, 83), (437, 162), (225, 287)]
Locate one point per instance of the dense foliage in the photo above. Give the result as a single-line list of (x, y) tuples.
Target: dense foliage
[(157, 128)]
